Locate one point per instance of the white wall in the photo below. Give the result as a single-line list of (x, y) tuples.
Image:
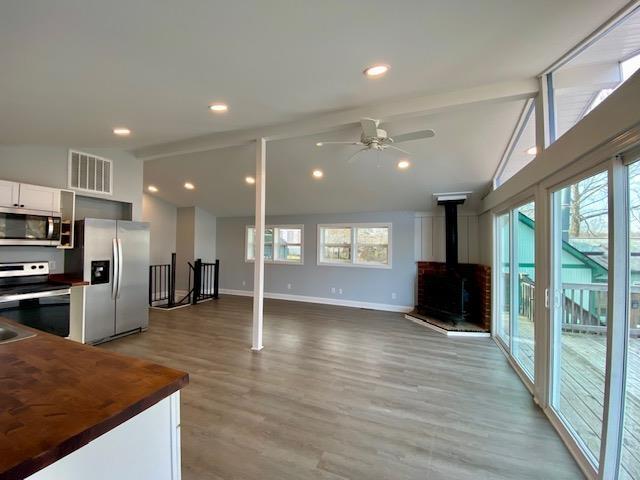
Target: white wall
[(430, 237), (359, 284), (485, 238), (195, 238), (47, 165), (185, 235), (204, 236), (162, 216)]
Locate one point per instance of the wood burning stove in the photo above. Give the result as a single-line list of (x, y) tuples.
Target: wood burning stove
[(451, 291), (446, 296)]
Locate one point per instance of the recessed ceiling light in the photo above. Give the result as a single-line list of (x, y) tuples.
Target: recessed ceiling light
[(317, 174), (319, 144), (152, 188), (250, 180), (403, 164), (375, 71), (532, 151), (189, 186), (218, 107), (122, 131)]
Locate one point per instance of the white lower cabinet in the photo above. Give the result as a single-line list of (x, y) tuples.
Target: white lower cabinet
[(146, 447)]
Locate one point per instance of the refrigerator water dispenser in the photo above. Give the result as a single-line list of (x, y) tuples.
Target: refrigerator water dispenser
[(99, 272)]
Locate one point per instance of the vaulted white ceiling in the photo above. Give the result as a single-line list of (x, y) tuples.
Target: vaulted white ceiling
[(72, 70), (462, 156)]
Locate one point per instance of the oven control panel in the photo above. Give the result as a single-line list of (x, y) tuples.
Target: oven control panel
[(24, 269)]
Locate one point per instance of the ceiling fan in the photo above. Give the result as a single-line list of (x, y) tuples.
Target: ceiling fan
[(374, 138)]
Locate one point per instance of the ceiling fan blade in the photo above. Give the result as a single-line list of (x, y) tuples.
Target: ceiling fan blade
[(352, 158), (414, 136), (399, 149), (369, 127), (320, 144)]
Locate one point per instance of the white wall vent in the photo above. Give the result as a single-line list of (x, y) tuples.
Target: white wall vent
[(90, 173)]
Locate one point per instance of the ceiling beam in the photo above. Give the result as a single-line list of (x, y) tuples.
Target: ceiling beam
[(385, 111)]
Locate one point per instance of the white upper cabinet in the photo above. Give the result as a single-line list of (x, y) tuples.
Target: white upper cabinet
[(9, 194), (31, 197), (34, 197)]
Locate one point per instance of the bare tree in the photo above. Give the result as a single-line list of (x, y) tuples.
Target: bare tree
[(588, 207)]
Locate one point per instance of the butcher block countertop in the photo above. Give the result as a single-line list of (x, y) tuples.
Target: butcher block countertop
[(57, 395), (67, 279)]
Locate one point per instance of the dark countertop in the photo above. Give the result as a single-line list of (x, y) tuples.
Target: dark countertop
[(57, 395), (67, 279)]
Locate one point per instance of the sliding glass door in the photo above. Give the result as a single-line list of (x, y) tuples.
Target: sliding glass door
[(630, 452), (516, 285), (579, 285), (503, 322), (523, 316)]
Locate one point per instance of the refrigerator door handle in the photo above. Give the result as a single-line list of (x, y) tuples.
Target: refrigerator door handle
[(119, 267), (116, 270)]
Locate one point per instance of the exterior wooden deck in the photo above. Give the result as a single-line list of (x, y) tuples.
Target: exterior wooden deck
[(582, 380)]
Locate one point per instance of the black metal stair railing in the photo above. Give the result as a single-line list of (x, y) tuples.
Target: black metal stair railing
[(203, 282)]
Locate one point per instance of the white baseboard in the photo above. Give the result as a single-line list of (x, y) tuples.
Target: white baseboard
[(325, 301), (448, 333)]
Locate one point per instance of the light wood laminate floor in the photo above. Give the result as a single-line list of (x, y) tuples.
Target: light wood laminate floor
[(345, 393)]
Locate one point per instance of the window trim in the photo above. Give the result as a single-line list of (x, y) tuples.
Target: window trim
[(354, 245), (274, 261)]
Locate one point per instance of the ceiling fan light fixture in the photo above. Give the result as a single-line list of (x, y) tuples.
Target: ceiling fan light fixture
[(403, 164), (376, 71)]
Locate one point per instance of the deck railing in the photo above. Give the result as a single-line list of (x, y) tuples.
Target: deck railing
[(584, 306)]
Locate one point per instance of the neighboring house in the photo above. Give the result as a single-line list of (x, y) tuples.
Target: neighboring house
[(576, 266)]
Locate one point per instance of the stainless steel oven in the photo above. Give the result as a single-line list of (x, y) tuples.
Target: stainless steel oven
[(29, 227), (28, 297)]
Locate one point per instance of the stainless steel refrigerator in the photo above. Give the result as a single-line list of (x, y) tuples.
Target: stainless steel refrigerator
[(113, 255)]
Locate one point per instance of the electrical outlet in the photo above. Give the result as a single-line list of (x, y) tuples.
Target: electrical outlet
[(394, 296), (244, 283), (288, 286), (333, 289), (339, 291), (52, 265)]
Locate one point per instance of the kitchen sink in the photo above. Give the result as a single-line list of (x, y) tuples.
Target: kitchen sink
[(10, 333)]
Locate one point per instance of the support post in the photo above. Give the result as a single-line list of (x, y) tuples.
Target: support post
[(258, 265)]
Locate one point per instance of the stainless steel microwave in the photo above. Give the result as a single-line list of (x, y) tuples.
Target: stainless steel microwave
[(29, 227)]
